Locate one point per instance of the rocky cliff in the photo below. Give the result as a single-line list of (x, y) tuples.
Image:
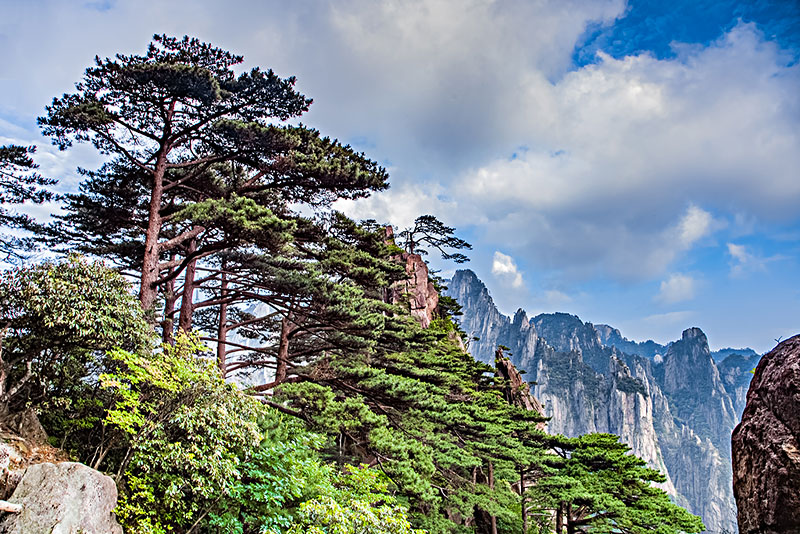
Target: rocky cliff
[(670, 403), (736, 372), (766, 446)]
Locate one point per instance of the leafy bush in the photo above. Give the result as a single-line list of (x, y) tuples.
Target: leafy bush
[(58, 320)]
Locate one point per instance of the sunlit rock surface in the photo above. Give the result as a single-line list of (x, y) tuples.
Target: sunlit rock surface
[(671, 403)]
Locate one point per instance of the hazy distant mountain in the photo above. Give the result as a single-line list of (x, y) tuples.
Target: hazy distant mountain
[(613, 338), (673, 404)]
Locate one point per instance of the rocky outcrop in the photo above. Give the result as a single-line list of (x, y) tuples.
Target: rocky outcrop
[(484, 324), (691, 381), (580, 400), (416, 293), (517, 391), (63, 498), (698, 469), (670, 403), (766, 446)]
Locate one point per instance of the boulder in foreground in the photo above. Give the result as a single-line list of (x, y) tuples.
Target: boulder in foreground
[(766, 446), (63, 498)]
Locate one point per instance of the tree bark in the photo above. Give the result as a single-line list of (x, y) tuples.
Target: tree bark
[(187, 299), (152, 251), (491, 486), (168, 324), (148, 290), (283, 351), (6, 506), (522, 500), (222, 326), (570, 524), (559, 520)]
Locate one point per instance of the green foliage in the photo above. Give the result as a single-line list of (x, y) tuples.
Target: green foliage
[(186, 434), (600, 488), (430, 231), (19, 183), (59, 319), (356, 503), (200, 452), (192, 136), (430, 418)]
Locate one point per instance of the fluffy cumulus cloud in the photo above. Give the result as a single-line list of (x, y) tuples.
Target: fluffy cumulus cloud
[(676, 288), (616, 169), (627, 144), (505, 269)]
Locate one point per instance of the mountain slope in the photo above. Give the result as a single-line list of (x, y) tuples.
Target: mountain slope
[(671, 403)]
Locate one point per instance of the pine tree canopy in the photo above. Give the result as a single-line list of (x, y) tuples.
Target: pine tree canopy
[(168, 117), (19, 183)]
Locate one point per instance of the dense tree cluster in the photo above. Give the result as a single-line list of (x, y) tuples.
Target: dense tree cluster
[(265, 381)]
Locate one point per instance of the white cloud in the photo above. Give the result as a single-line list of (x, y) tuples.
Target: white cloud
[(739, 252), (621, 149), (677, 288), (505, 268), (694, 225), (744, 262), (398, 206), (621, 167), (554, 297)]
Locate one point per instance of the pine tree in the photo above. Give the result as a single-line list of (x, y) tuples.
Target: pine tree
[(430, 231), (172, 114), (600, 487), (19, 183)]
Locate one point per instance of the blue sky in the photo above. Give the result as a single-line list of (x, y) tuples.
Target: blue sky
[(634, 163)]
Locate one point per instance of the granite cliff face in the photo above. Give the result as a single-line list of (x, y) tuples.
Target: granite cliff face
[(671, 403), (736, 374), (766, 446)]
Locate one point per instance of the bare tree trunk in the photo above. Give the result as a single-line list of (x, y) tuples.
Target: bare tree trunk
[(168, 324), (522, 500), (222, 326), (148, 290), (187, 300), (559, 520), (4, 370), (283, 351), (570, 524), (491, 486), (6, 506)]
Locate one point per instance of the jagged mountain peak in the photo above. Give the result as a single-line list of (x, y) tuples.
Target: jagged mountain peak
[(462, 276), (695, 334), (521, 318), (692, 349), (592, 379), (560, 317)]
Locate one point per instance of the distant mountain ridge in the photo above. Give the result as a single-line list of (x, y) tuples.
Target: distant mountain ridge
[(673, 404), (612, 337)]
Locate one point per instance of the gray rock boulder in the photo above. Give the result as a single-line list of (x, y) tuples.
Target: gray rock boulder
[(65, 498), (766, 446)]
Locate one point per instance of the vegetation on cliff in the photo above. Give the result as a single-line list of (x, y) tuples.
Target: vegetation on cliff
[(354, 418)]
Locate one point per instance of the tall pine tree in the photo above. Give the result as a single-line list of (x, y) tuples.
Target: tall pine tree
[(173, 113)]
